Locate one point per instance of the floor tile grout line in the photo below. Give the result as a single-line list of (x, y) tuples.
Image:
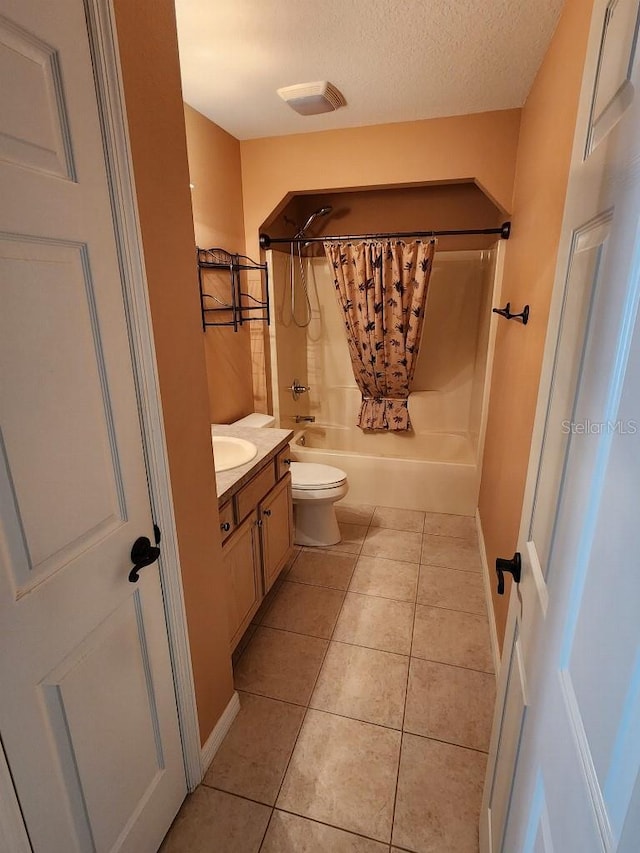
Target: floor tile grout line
[(404, 711), (451, 568), (264, 835), (453, 610), (276, 586), (447, 742), (348, 589), (235, 662), (316, 586), (455, 665), (333, 826), (272, 698), (235, 794), (300, 633), (384, 597), (357, 719), (330, 640)]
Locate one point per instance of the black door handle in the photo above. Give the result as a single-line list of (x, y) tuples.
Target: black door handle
[(514, 565), (143, 553)]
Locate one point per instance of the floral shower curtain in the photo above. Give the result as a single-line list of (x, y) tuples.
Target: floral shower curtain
[(382, 290)]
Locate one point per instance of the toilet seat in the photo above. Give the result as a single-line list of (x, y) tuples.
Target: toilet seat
[(311, 476)]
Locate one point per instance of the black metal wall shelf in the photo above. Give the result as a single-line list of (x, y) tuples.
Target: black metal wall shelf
[(241, 307)]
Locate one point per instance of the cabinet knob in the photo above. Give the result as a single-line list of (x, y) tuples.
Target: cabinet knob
[(266, 512), (286, 461), (226, 526)]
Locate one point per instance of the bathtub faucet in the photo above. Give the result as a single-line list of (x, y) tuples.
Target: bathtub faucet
[(297, 389), (304, 419)]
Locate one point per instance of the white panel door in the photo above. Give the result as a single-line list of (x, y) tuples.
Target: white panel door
[(87, 707), (565, 755)]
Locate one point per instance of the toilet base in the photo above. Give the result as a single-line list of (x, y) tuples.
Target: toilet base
[(315, 523)]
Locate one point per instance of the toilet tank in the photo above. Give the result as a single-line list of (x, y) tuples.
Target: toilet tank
[(256, 419)]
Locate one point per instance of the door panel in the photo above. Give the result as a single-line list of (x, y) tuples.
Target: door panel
[(603, 647), (512, 718), (585, 265), (56, 409), (87, 706), (576, 609), (613, 91), (35, 130), (538, 837), (80, 702)]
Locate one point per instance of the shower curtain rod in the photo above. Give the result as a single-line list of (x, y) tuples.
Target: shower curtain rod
[(504, 231)]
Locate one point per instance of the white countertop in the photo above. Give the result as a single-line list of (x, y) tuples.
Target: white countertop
[(268, 441)]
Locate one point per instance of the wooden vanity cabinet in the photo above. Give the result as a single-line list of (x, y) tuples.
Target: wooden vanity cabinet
[(276, 530), (241, 556), (257, 541)]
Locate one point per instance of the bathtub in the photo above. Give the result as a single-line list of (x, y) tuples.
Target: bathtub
[(433, 471)]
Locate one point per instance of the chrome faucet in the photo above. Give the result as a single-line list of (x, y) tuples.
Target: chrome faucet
[(304, 419)]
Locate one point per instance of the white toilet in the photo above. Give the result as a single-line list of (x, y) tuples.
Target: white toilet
[(315, 489)]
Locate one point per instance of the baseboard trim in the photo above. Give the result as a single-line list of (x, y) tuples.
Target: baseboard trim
[(487, 578), (216, 737)]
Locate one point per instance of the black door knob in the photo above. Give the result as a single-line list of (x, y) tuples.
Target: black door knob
[(143, 553), (514, 565)]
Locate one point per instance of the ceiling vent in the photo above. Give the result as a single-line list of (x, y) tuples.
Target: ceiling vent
[(309, 99)]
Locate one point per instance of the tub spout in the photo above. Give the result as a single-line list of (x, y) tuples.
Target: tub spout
[(304, 419)]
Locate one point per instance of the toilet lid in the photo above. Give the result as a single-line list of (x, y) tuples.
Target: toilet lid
[(311, 475)]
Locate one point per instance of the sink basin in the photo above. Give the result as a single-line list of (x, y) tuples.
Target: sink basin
[(231, 452)]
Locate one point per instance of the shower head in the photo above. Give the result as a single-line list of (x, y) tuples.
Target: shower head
[(321, 212)]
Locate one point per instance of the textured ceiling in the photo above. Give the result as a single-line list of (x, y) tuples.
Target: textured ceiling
[(393, 60)]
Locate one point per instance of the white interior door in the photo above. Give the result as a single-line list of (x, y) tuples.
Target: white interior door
[(565, 753), (87, 706)]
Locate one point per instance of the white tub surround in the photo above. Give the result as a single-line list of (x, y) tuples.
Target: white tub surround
[(435, 467)]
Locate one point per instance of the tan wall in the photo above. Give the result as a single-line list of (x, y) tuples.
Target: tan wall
[(480, 147), (546, 137), (149, 58), (214, 167)]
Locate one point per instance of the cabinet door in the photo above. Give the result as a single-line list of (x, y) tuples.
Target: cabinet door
[(276, 514), (241, 558)]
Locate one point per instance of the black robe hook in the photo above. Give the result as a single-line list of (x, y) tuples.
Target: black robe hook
[(506, 312)]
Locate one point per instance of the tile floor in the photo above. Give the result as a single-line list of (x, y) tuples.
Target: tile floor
[(367, 689)]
